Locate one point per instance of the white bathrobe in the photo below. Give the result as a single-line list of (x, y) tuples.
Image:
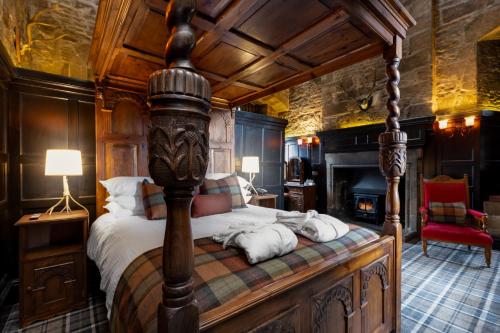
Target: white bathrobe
[(260, 242), (317, 227)]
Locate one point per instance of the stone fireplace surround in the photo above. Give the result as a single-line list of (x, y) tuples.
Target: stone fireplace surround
[(357, 148), (357, 161)]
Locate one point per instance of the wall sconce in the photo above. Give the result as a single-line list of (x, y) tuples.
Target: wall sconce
[(469, 121), (443, 124), (462, 126), (300, 141), (309, 140)]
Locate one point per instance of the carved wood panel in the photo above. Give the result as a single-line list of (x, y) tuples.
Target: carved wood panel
[(332, 304), (374, 296), (221, 151), (121, 143), (286, 322)]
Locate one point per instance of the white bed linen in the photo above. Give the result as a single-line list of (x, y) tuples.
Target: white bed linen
[(115, 242)]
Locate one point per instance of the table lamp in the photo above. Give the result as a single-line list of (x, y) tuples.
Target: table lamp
[(250, 164), (64, 162)]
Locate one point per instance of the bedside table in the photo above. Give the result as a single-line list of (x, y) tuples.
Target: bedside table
[(52, 265), (266, 200)]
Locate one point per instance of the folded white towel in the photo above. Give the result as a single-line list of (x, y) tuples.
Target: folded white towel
[(317, 227), (260, 242)]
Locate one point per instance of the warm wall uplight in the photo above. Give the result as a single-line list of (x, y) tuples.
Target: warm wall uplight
[(469, 121), (443, 123)]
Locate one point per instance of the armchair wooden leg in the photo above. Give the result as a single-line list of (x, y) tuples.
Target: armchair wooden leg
[(468, 246), (424, 247), (487, 256)]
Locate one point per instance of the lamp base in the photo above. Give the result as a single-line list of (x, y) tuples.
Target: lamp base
[(66, 199)]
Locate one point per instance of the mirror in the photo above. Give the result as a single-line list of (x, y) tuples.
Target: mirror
[(295, 170)]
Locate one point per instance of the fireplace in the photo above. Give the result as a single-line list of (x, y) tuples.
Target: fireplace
[(355, 188)]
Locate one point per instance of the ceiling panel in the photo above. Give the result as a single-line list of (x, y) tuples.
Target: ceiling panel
[(149, 35), (331, 44), (269, 75), (291, 16), (232, 92), (128, 66), (225, 60)]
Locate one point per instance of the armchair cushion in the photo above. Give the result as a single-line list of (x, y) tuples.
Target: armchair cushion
[(456, 234), (447, 212)]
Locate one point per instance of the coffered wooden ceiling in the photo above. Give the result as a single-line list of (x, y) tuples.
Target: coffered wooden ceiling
[(247, 49)]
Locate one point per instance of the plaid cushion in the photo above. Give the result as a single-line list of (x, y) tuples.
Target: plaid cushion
[(447, 212), (229, 184), (155, 207)]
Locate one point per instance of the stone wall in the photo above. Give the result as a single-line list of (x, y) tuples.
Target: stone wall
[(488, 73), (52, 36), (460, 25), (438, 71)]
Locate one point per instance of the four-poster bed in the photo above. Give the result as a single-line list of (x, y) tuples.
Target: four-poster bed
[(358, 291)]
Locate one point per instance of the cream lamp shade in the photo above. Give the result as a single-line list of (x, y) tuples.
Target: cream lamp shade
[(63, 162), (250, 164)]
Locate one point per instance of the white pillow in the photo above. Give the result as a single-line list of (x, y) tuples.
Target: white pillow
[(118, 211), (216, 176), (124, 186), (133, 203)]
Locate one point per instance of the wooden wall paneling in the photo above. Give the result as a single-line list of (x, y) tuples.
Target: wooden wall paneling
[(5, 227), (121, 126), (490, 155), (221, 147), (47, 111)]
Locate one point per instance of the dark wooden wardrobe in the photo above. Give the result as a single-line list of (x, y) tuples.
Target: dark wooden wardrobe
[(262, 136)]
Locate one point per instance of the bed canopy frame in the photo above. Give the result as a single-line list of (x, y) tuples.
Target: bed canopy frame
[(178, 144)]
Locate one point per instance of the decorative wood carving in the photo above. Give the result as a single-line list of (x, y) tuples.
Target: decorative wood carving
[(285, 322), (392, 162), (178, 158), (379, 269), (321, 306)]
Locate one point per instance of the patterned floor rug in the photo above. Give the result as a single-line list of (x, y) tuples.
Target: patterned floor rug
[(449, 291)]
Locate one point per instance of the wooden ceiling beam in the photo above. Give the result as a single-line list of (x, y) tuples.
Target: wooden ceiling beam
[(330, 22), (352, 57)]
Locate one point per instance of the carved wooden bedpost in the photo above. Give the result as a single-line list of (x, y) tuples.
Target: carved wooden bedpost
[(392, 161), (178, 158)]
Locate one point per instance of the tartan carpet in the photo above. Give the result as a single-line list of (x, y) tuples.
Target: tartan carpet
[(91, 319), (450, 291)]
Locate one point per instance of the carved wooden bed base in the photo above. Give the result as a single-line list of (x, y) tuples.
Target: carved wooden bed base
[(360, 292)]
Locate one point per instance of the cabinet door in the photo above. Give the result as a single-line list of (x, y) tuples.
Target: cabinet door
[(296, 201), (52, 285)]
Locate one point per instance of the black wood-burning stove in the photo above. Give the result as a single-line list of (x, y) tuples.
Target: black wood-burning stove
[(369, 193), (366, 206)]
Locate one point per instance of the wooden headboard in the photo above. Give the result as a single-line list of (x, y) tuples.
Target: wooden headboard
[(122, 122)]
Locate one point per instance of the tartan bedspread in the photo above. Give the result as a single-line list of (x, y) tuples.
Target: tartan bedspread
[(219, 276)]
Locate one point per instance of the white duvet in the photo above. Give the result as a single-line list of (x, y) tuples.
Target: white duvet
[(115, 242)]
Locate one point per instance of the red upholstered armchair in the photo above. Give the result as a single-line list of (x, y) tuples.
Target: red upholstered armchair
[(446, 191)]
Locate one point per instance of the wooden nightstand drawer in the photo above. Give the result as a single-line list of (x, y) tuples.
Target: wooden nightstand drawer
[(52, 285)]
